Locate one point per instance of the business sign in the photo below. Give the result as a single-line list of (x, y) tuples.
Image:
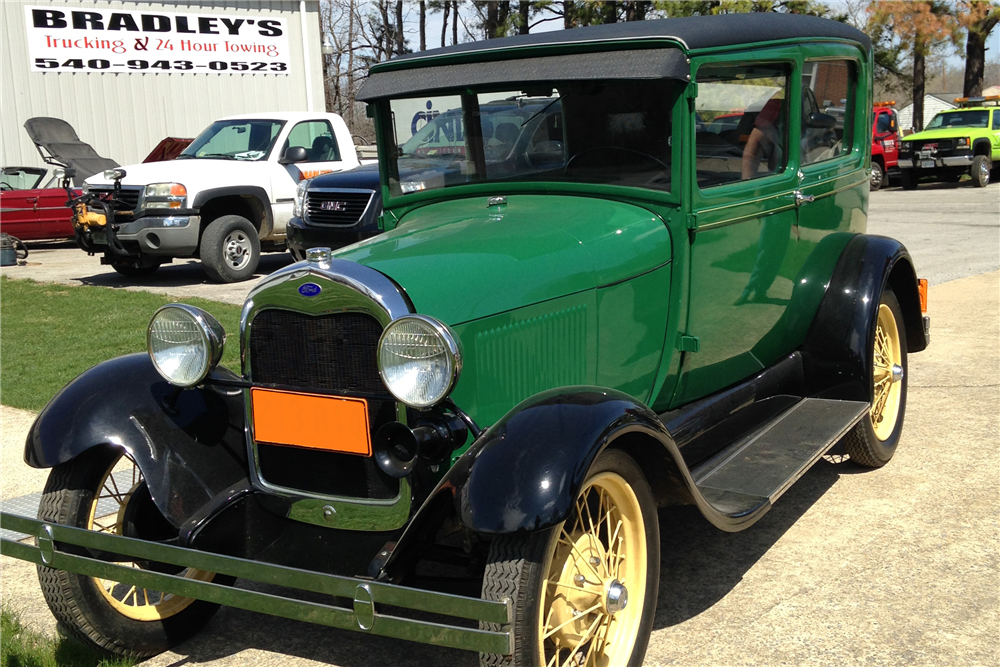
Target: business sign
[(62, 39)]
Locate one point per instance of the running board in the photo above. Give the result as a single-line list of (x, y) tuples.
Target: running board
[(755, 471)]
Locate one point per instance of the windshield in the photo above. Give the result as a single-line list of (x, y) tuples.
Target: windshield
[(959, 119), (21, 178), (235, 140), (592, 132)]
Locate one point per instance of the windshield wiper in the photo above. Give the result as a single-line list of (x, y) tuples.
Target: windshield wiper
[(543, 110), (224, 156)]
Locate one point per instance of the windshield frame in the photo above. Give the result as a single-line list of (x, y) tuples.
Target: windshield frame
[(951, 112), (235, 121), (394, 196)]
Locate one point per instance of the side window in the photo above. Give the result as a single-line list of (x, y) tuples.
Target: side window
[(996, 119), (741, 122), (827, 119), (316, 136), (883, 125)]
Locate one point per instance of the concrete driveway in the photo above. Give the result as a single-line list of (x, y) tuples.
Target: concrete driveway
[(888, 567)]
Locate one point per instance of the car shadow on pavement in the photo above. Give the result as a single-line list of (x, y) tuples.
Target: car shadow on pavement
[(181, 272), (700, 564)]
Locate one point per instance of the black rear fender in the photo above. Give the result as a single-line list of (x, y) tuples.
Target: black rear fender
[(189, 444)]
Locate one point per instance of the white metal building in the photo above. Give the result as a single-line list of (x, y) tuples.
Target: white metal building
[(105, 67), (933, 103)]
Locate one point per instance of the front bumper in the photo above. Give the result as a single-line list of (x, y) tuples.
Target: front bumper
[(365, 615), (167, 236), (934, 161), (300, 237)]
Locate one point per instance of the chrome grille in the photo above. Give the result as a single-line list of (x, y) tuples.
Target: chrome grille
[(332, 353), (129, 196), (336, 208)]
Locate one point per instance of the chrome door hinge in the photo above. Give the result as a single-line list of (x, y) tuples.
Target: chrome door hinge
[(687, 343)]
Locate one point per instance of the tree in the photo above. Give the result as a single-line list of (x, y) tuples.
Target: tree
[(920, 27), (423, 25), (979, 18)]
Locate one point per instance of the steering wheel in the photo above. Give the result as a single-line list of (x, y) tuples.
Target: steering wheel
[(617, 149)]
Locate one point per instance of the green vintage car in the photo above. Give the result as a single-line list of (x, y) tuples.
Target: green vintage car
[(956, 142), (606, 302)]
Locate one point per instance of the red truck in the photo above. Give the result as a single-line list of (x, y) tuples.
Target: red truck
[(885, 144)]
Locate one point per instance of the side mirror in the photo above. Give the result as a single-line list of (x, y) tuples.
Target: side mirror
[(821, 121), (294, 154)]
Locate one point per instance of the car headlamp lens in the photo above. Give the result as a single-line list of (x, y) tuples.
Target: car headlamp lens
[(300, 199), (185, 343), (164, 195), (419, 360)]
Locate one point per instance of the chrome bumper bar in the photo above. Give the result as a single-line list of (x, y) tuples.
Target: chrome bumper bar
[(365, 615), (953, 161)]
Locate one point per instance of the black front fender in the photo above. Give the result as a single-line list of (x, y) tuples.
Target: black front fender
[(189, 444)]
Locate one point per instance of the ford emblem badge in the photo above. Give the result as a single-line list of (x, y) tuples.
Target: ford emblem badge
[(310, 289)]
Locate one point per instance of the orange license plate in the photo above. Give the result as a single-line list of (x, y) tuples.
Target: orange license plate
[(331, 423)]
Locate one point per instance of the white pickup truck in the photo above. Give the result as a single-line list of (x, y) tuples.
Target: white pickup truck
[(223, 199)]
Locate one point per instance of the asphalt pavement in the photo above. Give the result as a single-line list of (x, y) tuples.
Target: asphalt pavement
[(852, 567)]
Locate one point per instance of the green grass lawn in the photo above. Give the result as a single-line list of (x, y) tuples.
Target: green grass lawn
[(51, 333), (22, 647)]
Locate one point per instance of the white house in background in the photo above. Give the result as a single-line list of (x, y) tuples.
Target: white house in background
[(992, 90), (933, 103)]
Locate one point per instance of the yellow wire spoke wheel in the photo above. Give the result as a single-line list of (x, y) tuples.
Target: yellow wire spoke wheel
[(872, 442), (583, 592), (139, 604)]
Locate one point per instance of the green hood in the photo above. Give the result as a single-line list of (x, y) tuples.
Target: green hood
[(460, 261)]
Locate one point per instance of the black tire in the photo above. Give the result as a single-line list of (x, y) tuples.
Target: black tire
[(132, 271), (868, 444), (980, 171), (908, 180), (518, 564), (78, 602), (877, 177), (230, 249)]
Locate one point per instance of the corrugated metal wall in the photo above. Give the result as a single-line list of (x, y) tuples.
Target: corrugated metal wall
[(123, 116)]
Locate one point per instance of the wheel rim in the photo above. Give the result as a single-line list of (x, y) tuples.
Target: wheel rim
[(237, 250), (876, 177), (887, 376), (596, 579), (984, 172), (139, 604)]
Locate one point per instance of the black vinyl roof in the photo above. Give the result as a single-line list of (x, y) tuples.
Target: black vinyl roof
[(476, 63), (696, 32)]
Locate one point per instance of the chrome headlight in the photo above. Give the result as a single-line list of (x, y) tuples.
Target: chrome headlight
[(164, 195), (185, 343), (300, 199), (419, 360), (964, 142)]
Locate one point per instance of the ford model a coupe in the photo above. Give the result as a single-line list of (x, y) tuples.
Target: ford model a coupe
[(654, 289)]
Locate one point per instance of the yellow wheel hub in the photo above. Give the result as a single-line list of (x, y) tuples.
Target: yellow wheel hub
[(596, 578), (887, 374), (136, 603)]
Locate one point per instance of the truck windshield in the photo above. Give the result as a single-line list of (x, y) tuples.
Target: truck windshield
[(612, 132), (959, 119), (235, 140)]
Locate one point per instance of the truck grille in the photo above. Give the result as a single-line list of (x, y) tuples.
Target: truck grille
[(328, 352), (939, 144), (336, 208), (129, 196)]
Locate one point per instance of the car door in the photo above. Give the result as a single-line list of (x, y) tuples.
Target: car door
[(744, 222), (318, 139)]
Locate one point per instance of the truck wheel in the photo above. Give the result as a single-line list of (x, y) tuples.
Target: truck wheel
[(97, 491), (872, 442), (980, 171), (908, 179), (230, 249), (878, 176), (583, 592)]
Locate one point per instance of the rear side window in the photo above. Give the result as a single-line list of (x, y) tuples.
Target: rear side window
[(741, 122), (996, 119), (316, 136), (827, 105)]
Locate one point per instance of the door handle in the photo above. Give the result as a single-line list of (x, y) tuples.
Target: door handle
[(801, 199)]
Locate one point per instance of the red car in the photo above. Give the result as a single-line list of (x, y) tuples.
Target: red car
[(33, 202), (885, 144)]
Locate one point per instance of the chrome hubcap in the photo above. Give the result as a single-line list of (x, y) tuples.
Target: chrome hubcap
[(897, 373), (237, 250), (616, 598), (984, 172)]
